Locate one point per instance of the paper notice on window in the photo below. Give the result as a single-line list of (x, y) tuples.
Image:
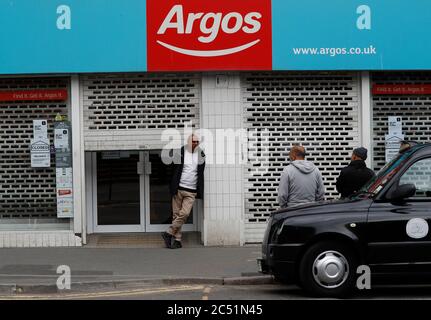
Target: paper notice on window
[(40, 129), (392, 144), (64, 178), (61, 138), (65, 207), (40, 153), (395, 126)]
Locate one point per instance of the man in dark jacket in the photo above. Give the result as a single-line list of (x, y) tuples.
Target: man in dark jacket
[(353, 177), (187, 185)]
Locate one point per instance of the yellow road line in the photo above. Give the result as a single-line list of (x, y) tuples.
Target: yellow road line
[(207, 290), (102, 294)]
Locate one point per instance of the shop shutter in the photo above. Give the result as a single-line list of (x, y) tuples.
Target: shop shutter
[(27, 192), (319, 111), (130, 111), (415, 111)]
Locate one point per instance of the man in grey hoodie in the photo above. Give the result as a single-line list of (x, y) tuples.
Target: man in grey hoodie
[(301, 182)]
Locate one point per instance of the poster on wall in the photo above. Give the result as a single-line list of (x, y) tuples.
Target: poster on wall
[(393, 138), (64, 172), (40, 129), (64, 183), (40, 153), (64, 178), (61, 140), (64, 206)]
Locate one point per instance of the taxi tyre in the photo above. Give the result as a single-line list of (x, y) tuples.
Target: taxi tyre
[(322, 270)]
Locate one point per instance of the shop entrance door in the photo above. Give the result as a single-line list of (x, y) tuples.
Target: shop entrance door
[(132, 193), (118, 192), (159, 208)]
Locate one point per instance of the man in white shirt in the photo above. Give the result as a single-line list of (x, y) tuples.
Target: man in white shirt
[(187, 185)]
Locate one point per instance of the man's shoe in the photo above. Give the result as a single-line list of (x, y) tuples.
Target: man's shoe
[(176, 244), (167, 238)]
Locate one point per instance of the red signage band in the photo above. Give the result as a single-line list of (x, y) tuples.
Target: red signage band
[(209, 35), (401, 89), (65, 192), (34, 95)]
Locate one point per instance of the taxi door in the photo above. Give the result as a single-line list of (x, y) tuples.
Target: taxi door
[(399, 234)]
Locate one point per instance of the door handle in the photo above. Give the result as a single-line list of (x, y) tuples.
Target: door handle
[(140, 168), (148, 168)]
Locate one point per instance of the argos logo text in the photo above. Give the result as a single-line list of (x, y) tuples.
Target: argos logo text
[(212, 35)]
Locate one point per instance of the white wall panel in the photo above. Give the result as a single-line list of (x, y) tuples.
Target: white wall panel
[(223, 199)]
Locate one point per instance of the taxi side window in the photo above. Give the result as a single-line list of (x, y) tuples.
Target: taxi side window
[(419, 174)]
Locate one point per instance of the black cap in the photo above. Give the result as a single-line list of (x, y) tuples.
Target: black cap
[(361, 153)]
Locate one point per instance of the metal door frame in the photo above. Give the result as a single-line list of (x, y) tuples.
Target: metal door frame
[(162, 227), (145, 225), (115, 228)]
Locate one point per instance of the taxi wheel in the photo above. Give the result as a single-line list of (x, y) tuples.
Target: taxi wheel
[(328, 269)]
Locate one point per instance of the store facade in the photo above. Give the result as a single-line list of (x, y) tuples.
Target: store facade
[(140, 86)]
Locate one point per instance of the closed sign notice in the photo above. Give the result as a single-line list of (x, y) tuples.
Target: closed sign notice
[(40, 153)]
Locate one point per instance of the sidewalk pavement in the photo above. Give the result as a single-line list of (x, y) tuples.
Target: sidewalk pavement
[(35, 270)]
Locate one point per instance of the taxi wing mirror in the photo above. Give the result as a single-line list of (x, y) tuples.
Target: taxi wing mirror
[(402, 192)]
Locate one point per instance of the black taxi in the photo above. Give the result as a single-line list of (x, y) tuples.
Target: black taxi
[(384, 227)]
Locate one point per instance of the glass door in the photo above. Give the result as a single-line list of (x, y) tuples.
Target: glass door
[(159, 204), (119, 192), (131, 193)]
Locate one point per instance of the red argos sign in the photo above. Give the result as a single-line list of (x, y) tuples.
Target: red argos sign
[(209, 35), (402, 89), (34, 95)]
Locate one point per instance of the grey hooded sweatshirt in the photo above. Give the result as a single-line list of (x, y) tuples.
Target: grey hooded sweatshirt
[(300, 182)]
